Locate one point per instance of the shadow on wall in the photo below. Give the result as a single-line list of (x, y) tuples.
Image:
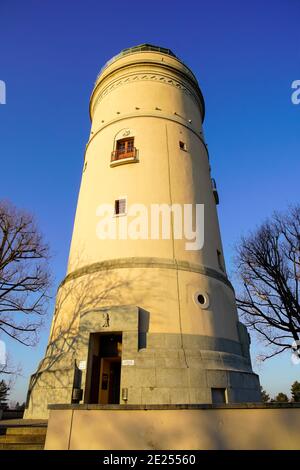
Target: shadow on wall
[(75, 299), (198, 429)]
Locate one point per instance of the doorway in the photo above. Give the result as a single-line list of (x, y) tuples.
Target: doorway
[(105, 354)]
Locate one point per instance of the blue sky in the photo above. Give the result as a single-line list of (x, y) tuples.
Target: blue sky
[(245, 56)]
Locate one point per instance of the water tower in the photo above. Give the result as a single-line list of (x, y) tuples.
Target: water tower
[(146, 317)]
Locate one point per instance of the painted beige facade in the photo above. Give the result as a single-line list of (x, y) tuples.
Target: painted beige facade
[(175, 429), (146, 290)]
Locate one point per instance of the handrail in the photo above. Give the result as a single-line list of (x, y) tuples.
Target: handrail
[(120, 154)]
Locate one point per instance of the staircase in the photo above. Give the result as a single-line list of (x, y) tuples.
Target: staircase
[(22, 437)]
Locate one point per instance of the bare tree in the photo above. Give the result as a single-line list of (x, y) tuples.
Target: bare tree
[(24, 275), (268, 266)]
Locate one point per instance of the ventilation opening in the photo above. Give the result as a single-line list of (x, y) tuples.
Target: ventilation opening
[(201, 299)]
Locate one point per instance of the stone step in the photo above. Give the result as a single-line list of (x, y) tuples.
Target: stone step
[(21, 446), (23, 438), (19, 437), (30, 430)]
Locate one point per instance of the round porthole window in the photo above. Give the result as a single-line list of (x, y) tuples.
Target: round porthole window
[(201, 299)]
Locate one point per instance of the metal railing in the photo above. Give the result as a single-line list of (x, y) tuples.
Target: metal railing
[(120, 154)]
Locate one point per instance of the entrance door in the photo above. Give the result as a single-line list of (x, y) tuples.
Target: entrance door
[(105, 368), (110, 373)]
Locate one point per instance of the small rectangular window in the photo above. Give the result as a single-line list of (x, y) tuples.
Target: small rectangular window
[(218, 395), (220, 261), (120, 206), (182, 145)]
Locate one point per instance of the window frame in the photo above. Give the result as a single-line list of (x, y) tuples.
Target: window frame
[(124, 151), (220, 260), (128, 148), (120, 214)]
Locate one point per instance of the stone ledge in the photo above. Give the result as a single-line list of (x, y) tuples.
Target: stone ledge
[(140, 262), (204, 406), (16, 423)]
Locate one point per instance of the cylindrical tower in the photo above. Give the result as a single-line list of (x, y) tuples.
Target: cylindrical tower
[(146, 313)]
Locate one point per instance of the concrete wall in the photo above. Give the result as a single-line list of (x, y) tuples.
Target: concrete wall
[(168, 429)]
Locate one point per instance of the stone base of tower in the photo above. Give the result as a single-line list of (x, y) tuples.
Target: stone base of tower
[(165, 351), (174, 427), (156, 368)]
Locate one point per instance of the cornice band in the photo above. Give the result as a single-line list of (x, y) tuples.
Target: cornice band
[(191, 81), (158, 77), (163, 263)]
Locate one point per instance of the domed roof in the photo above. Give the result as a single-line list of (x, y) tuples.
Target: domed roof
[(140, 48), (147, 47)]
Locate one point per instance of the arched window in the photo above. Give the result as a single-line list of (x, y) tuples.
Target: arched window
[(124, 148)]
